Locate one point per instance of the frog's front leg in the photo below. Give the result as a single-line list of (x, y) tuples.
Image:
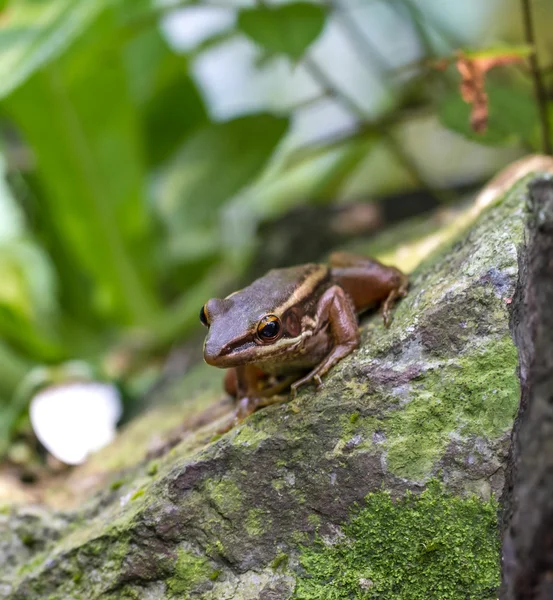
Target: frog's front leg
[(248, 386), (335, 308), (368, 282)]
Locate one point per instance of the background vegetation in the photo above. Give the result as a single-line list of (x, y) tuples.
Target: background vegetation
[(144, 143)]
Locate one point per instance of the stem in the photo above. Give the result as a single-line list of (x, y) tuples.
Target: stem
[(539, 88), (327, 143), (361, 132), (306, 103), (351, 105), (365, 49), (423, 21), (329, 88)]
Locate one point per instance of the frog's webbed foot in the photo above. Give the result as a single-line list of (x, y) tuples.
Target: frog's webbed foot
[(311, 376)]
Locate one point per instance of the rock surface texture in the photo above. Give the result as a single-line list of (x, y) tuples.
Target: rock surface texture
[(528, 497), (383, 484)]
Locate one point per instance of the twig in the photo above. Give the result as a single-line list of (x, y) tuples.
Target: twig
[(306, 103), (331, 89), (364, 47), (359, 133), (421, 21), (323, 144), (351, 106), (539, 88)]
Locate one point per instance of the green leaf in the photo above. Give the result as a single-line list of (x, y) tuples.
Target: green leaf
[(168, 99), (512, 115), (521, 50), (28, 283), (28, 280), (13, 369), (287, 29), (33, 33), (81, 123), (214, 164), (170, 115)]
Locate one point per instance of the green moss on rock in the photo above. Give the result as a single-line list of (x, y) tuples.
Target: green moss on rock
[(477, 394), (137, 494), (115, 485), (280, 560), (249, 436), (153, 468), (225, 494), (191, 571), (353, 418), (256, 522), (435, 545)]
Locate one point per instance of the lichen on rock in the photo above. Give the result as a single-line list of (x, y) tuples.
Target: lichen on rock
[(377, 483)]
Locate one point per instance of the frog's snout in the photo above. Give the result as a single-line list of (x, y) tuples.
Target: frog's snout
[(212, 351)]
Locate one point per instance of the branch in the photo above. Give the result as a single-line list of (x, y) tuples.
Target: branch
[(539, 88), (363, 131), (364, 47), (421, 21), (351, 106), (325, 144), (305, 103)]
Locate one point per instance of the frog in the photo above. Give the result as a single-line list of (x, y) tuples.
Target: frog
[(290, 327)]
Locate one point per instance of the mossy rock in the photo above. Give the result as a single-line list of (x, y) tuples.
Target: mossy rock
[(381, 484)]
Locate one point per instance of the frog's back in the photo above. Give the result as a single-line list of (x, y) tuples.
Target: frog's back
[(280, 289)]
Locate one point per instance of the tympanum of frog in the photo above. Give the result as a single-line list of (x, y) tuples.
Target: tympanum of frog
[(291, 326)]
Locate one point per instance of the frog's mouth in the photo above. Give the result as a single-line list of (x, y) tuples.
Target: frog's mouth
[(247, 351)]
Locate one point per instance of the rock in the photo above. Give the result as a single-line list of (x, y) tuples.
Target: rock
[(528, 498), (382, 484)]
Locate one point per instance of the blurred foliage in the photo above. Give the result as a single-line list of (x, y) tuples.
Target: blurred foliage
[(288, 29), (513, 115), (126, 200)]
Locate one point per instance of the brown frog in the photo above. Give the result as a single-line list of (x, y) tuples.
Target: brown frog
[(291, 326)]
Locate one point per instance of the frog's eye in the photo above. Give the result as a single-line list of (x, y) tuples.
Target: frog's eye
[(268, 328), (203, 316)]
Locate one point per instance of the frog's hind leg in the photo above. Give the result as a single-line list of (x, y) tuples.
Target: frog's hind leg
[(368, 282), (388, 305)]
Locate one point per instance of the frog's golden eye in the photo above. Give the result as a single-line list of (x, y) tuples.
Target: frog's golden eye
[(268, 328), (203, 316)]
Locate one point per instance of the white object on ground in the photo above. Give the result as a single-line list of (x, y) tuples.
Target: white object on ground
[(72, 420)]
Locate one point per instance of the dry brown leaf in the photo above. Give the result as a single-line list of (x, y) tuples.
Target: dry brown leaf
[(473, 80)]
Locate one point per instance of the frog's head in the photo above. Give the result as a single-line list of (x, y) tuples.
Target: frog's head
[(265, 319)]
